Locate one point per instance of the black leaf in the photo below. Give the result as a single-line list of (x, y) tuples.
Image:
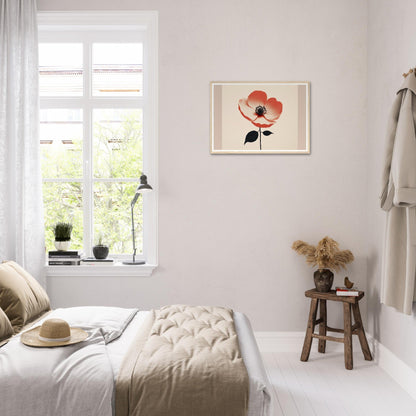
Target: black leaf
[(267, 132), (251, 136)]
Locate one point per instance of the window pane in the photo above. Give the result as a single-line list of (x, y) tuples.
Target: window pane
[(112, 216), (60, 69), (62, 202), (61, 143), (117, 69), (117, 143)]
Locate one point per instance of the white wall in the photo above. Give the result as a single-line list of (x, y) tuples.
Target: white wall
[(226, 223), (391, 51)]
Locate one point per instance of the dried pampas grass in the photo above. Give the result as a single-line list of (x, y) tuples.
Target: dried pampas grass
[(326, 255)]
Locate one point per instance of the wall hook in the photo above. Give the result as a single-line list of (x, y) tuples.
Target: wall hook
[(409, 72)]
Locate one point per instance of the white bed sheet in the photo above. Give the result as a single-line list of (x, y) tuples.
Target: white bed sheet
[(259, 395), (76, 379)]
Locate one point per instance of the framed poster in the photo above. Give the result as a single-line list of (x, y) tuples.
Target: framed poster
[(260, 117)]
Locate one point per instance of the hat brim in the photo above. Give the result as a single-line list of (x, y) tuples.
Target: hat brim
[(4, 342), (31, 338)]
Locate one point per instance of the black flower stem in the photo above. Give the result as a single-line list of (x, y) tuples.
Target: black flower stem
[(260, 136)]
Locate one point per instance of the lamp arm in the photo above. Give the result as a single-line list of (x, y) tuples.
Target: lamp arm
[(143, 187), (132, 231), (132, 204), (134, 200)]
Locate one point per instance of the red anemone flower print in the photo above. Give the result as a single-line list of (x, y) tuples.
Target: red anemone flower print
[(262, 112)]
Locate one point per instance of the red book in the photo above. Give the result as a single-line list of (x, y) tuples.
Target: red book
[(344, 291)]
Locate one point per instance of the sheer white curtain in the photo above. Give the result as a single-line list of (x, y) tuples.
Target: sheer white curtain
[(21, 216)]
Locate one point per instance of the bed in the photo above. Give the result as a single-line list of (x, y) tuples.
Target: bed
[(83, 378)]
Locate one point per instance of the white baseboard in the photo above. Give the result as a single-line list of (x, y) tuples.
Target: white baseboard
[(279, 341), (399, 371)]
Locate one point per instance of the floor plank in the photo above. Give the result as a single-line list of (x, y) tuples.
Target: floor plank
[(298, 393), (281, 389), (314, 386), (322, 387), (269, 364)]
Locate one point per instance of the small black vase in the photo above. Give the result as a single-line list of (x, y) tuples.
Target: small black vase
[(323, 279), (100, 252)]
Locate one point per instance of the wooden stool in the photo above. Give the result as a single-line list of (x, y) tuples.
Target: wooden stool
[(349, 330)]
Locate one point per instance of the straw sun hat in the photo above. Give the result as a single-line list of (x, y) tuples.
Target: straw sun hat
[(53, 333)]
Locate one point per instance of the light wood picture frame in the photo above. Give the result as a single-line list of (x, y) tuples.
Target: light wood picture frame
[(260, 117)]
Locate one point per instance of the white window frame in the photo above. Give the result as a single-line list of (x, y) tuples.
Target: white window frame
[(109, 27)]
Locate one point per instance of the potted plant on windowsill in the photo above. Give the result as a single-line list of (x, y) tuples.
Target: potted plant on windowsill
[(62, 231), (100, 250), (326, 255)]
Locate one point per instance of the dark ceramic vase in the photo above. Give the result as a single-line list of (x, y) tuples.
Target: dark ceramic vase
[(323, 280), (100, 252)]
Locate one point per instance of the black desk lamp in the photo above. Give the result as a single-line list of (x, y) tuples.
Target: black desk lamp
[(142, 188)]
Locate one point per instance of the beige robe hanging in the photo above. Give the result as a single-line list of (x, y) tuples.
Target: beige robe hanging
[(399, 200)]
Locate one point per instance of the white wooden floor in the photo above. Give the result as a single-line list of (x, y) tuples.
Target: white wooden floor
[(323, 387)]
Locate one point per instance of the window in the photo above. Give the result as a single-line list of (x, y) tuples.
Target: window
[(98, 127)]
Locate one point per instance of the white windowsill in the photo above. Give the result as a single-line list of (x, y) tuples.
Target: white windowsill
[(118, 269)]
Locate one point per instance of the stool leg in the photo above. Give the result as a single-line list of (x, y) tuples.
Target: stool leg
[(361, 333), (322, 325), (309, 331), (347, 336)]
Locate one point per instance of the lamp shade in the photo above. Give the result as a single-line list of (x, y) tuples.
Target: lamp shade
[(144, 186)]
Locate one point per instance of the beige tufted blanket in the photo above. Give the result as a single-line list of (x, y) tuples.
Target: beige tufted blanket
[(185, 361)]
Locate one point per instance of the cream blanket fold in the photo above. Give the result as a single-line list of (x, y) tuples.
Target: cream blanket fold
[(185, 361)]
